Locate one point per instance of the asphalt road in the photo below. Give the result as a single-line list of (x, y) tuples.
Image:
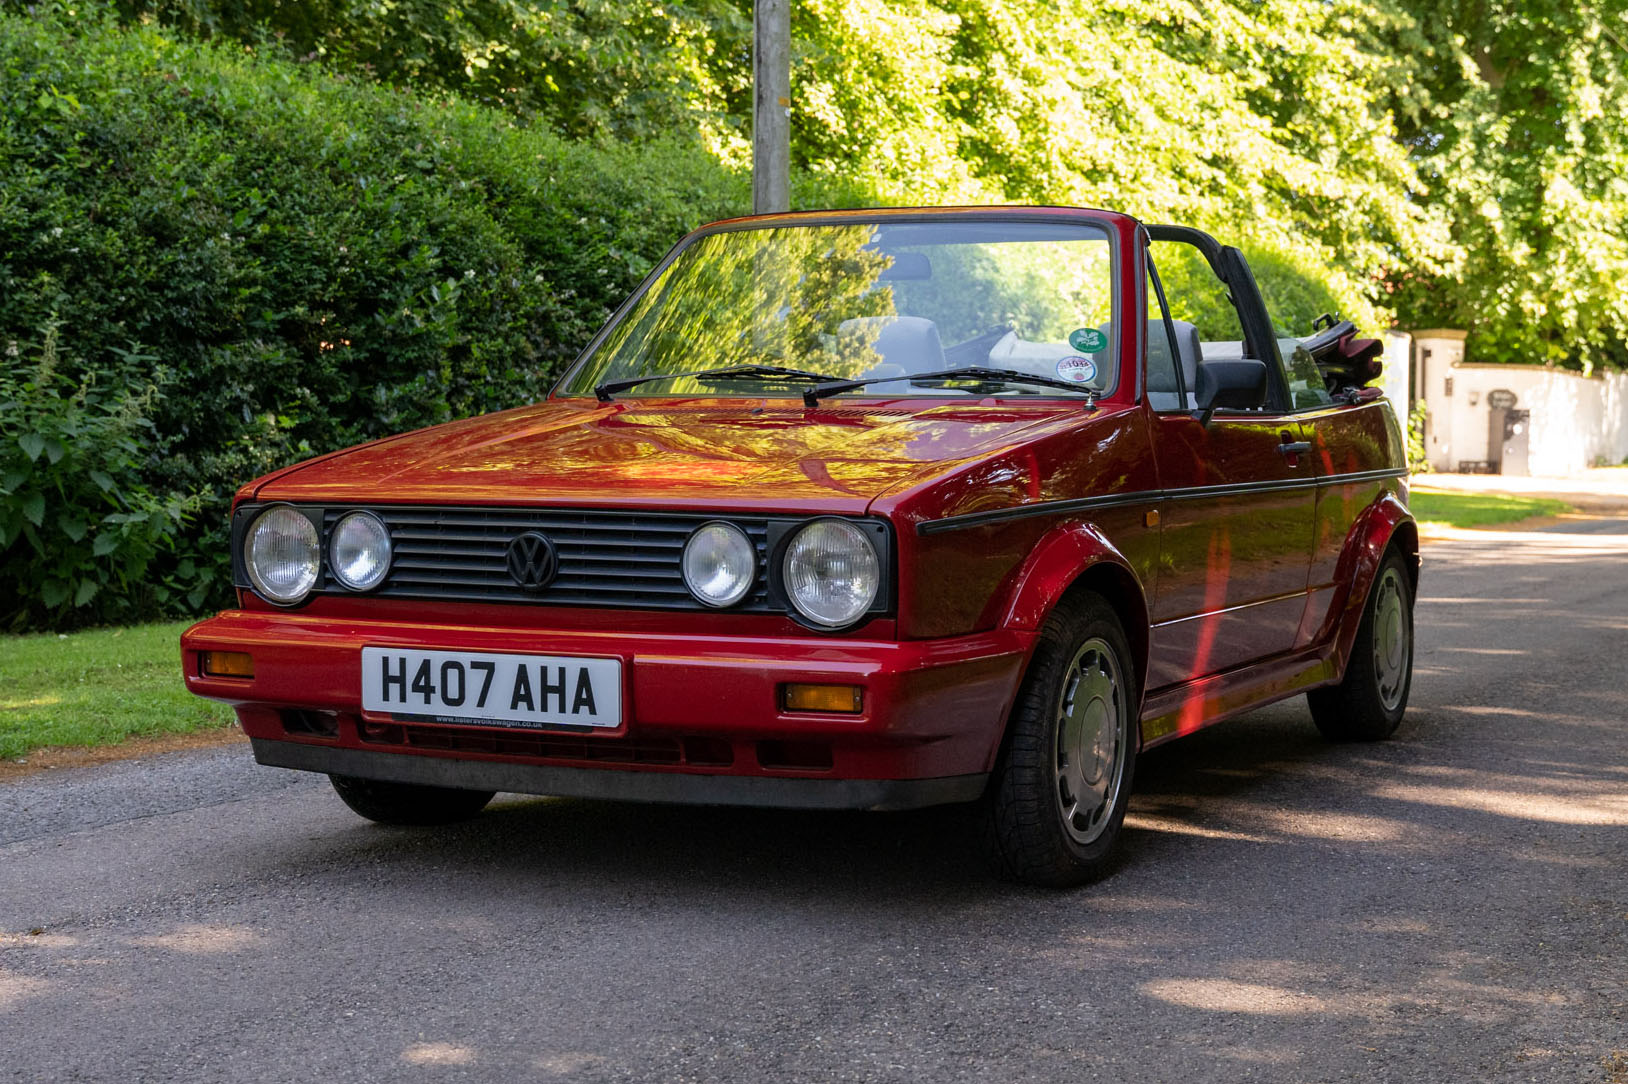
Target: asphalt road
[(1448, 906)]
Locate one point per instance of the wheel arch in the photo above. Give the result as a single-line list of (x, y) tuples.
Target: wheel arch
[(1115, 584), (1405, 538), (1384, 524), (1074, 559), (1025, 768)]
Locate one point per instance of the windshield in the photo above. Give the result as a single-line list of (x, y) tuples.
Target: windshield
[(870, 300)]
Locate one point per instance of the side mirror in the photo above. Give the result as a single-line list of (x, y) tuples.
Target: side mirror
[(1233, 385)]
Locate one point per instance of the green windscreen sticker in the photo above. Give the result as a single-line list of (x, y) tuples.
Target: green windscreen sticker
[(1087, 340)]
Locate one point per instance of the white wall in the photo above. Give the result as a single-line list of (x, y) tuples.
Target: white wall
[(1394, 379), (1437, 353), (1576, 420)]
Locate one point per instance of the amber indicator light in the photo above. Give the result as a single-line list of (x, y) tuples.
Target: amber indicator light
[(239, 664), (841, 698)]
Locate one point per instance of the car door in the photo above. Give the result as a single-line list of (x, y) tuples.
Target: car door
[(1238, 504), (1359, 453)]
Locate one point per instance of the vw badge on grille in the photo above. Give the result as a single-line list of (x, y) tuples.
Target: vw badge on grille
[(532, 560)]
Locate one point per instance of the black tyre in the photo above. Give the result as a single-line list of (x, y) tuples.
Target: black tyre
[(1369, 703), (408, 803), (1056, 802)]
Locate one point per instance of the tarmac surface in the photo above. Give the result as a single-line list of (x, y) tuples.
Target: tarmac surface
[(1451, 905)]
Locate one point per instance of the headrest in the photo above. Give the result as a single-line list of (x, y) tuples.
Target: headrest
[(908, 341), (1161, 374)]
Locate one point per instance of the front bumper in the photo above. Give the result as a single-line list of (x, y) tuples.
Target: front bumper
[(702, 715)]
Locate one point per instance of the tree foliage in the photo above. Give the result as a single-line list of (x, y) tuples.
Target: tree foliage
[(1456, 162), (1516, 118), (1263, 122)]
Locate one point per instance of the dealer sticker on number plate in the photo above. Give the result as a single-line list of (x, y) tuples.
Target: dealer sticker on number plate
[(533, 691)]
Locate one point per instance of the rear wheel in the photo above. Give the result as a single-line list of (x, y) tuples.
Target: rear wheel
[(408, 803), (1369, 703), (1057, 800)]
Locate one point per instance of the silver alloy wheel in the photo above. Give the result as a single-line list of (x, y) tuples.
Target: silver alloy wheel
[(1093, 733), (1393, 657)]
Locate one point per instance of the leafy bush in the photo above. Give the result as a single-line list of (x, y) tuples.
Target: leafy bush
[(628, 68), (79, 526), (317, 262), (1418, 457)]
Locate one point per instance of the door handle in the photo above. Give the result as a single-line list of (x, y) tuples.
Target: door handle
[(1299, 447)]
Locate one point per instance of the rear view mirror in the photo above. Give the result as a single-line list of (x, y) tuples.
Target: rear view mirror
[(1235, 384), (907, 267)]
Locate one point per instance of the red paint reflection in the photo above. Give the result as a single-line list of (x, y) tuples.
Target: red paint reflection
[(1217, 569)]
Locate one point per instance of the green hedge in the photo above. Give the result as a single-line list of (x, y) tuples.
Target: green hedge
[(314, 262)]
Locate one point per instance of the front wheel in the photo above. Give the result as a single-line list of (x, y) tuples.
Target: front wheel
[(1368, 704), (408, 803), (1057, 800)]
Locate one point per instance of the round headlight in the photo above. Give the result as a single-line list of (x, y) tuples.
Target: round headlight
[(282, 555), (720, 564), (360, 551), (832, 572)]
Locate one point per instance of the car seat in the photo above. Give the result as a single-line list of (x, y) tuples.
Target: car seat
[(904, 344), (1161, 376)]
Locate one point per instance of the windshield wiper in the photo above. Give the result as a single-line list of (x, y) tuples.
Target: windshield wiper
[(603, 392), (812, 396)]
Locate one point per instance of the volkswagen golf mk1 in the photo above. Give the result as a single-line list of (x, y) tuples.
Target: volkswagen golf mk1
[(872, 510)]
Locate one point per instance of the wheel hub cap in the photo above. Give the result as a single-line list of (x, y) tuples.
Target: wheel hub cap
[(1392, 654), (1091, 740)]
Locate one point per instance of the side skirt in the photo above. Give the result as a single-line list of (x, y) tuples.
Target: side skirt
[(1181, 709)]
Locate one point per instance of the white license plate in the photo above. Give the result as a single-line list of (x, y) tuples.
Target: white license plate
[(530, 691)]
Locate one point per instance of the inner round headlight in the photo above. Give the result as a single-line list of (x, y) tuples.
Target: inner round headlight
[(720, 564), (832, 572), (360, 551), (282, 555)]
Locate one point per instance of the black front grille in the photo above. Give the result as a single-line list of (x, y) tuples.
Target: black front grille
[(616, 559)]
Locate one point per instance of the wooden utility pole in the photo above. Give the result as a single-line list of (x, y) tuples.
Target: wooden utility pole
[(771, 106)]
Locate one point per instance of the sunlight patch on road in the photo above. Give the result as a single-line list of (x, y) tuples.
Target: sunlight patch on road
[(200, 940), (14, 989), (1225, 995), (37, 940), (1149, 823), (438, 1054), (1591, 809), (1348, 827)]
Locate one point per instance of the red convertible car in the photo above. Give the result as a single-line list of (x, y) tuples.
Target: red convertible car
[(870, 509)]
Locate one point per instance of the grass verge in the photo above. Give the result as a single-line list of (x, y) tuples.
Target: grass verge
[(1480, 509), (97, 687)]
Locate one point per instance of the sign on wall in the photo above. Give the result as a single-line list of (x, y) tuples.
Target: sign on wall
[(1500, 398)]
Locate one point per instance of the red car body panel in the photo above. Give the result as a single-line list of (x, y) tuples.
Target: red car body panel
[(1239, 570), (925, 704), (676, 454)]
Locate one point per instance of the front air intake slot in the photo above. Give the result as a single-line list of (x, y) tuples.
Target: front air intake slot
[(594, 749)]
